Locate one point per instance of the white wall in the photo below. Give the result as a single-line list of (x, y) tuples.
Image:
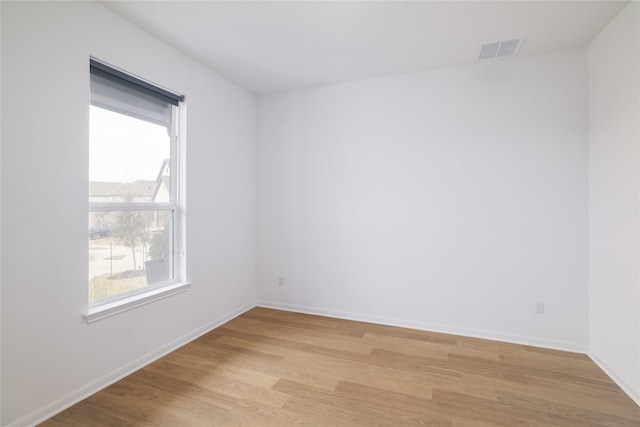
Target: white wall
[(49, 354), (451, 199), (614, 199), (0, 220)]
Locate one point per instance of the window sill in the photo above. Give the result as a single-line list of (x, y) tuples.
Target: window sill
[(111, 309)]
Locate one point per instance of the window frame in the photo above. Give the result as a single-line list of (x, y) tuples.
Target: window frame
[(177, 283)]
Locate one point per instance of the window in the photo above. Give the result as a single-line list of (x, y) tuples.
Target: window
[(135, 225)]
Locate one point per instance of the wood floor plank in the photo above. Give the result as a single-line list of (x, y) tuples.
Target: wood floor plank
[(470, 409), (309, 323), (560, 391), (236, 386), (577, 364), (357, 409), (314, 337), (413, 334), (545, 410), (403, 402), (270, 368), (408, 345)]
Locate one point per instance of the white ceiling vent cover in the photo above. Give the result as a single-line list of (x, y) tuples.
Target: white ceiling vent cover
[(489, 50), (499, 49)]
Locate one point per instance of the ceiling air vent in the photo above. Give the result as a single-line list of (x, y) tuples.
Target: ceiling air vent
[(498, 49)]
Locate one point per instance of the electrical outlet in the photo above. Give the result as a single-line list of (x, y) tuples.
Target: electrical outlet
[(280, 281), (539, 307)]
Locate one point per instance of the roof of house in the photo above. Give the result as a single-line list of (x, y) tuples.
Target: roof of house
[(137, 189)]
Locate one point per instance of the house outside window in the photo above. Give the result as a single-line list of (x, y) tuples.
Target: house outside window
[(135, 205)]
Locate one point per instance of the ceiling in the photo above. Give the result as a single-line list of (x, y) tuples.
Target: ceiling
[(267, 46)]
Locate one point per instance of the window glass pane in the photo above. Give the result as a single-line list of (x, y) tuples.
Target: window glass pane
[(129, 251), (128, 158), (131, 144)]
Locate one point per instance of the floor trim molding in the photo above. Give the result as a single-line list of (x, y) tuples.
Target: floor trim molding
[(614, 377), (404, 323), (44, 413)]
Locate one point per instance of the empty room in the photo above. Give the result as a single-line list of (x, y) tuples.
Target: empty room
[(348, 213)]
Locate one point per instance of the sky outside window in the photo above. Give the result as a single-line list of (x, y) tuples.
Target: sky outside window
[(125, 149)]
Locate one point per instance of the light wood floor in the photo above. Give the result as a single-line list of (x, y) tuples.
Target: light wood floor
[(275, 368)]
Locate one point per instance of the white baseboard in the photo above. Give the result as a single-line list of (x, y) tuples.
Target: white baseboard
[(93, 387), (635, 397), (466, 332)]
